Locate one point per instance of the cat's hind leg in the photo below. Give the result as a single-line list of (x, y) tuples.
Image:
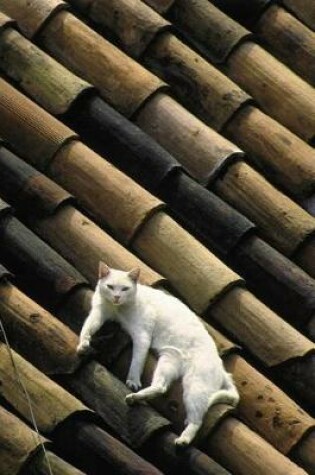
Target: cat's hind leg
[(228, 394), (196, 401), (231, 395), (167, 370), (198, 398)]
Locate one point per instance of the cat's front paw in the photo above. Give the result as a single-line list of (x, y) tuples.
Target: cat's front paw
[(182, 441), (134, 384), (130, 399), (83, 348)]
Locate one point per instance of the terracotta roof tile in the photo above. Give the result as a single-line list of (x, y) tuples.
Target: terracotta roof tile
[(54, 407), (266, 79), (62, 277), (59, 332), (281, 221), (41, 12), (48, 81), (48, 209), (71, 33), (202, 152), (164, 63), (243, 11), (41, 135), (51, 403), (303, 9), (21, 449), (218, 34), (213, 216), (82, 383), (252, 68), (110, 133), (103, 392), (281, 156), (283, 34), (55, 343), (135, 32)]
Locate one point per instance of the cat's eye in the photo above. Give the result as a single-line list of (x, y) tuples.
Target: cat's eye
[(124, 289), (111, 287)]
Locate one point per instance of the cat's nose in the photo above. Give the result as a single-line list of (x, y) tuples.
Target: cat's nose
[(116, 298)]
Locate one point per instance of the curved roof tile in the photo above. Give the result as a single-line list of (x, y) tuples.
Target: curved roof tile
[(17, 444), (303, 9), (266, 414), (32, 15), (126, 85)]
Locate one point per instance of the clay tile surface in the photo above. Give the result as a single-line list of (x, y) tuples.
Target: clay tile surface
[(175, 136), (303, 9)]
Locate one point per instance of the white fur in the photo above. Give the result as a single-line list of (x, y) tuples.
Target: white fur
[(157, 320)]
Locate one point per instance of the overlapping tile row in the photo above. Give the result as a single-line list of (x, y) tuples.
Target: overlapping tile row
[(21, 197), (248, 13), (21, 303), (279, 31), (206, 216), (247, 64), (74, 163), (142, 83), (217, 154), (92, 380), (273, 96), (33, 196), (293, 229), (74, 295), (153, 118), (303, 9), (270, 205), (295, 47), (22, 451), (209, 93), (198, 276), (219, 226), (141, 222), (28, 325), (52, 406), (31, 191)]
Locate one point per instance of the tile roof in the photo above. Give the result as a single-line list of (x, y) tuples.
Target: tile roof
[(190, 157), (18, 441)]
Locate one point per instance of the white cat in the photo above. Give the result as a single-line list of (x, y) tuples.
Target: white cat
[(157, 320)]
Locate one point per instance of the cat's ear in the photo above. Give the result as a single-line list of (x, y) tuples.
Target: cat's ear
[(103, 270), (134, 274)]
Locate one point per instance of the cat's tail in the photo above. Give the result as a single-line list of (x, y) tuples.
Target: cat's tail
[(228, 394)]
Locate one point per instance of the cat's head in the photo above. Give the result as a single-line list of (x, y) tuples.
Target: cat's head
[(118, 287)]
